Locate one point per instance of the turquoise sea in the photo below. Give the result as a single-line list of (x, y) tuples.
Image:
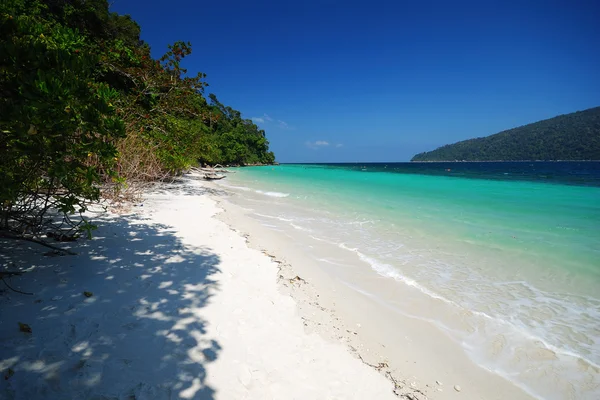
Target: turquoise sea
[(509, 252)]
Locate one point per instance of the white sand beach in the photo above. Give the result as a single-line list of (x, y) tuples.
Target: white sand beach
[(182, 307)]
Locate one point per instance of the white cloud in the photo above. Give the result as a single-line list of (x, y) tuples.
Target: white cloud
[(339, 145), (266, 119), (317, 145)]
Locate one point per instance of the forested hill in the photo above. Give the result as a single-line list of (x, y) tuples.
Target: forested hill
[(87, 111), (574, 136), (73, 68)]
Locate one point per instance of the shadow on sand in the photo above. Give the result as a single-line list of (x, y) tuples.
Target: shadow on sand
[(141, 335)]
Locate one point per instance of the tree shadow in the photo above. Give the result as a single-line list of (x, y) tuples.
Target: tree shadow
[(140, 335)]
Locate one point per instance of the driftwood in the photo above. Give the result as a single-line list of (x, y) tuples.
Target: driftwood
[(210, 170), (208, 174), (214, 171), (213, 177)]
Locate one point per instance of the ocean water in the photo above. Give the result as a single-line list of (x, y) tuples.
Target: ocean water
[(504, 256)]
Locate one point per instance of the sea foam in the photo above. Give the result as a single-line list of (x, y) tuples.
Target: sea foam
[(510, 266), (273, 194)]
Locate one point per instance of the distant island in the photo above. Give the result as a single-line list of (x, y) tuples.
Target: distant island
[(574, 136)]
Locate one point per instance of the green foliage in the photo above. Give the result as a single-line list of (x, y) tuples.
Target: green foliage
[(574, 136), (53, 117), (234, 140), (84, 105)]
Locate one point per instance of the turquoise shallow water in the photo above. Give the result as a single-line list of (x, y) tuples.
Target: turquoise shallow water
[(512, 249)]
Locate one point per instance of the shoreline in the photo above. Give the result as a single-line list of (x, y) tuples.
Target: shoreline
[(164, 302), (489, 266), (430, 162), (413, 355), (258, 318)]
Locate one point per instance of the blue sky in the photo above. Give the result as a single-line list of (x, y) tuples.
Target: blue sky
[(348, 81)]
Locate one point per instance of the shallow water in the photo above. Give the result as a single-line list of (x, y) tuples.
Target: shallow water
[(506, 256)]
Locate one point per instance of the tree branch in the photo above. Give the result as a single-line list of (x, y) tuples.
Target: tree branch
[(13, 289), (8, 235)]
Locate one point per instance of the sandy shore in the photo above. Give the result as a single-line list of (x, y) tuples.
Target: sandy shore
[(419, 360), (183, 306)]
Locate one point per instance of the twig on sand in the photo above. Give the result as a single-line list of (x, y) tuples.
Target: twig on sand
[(297, 279), (8, 274), (378, 367), (398, 385), (36, 241)]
